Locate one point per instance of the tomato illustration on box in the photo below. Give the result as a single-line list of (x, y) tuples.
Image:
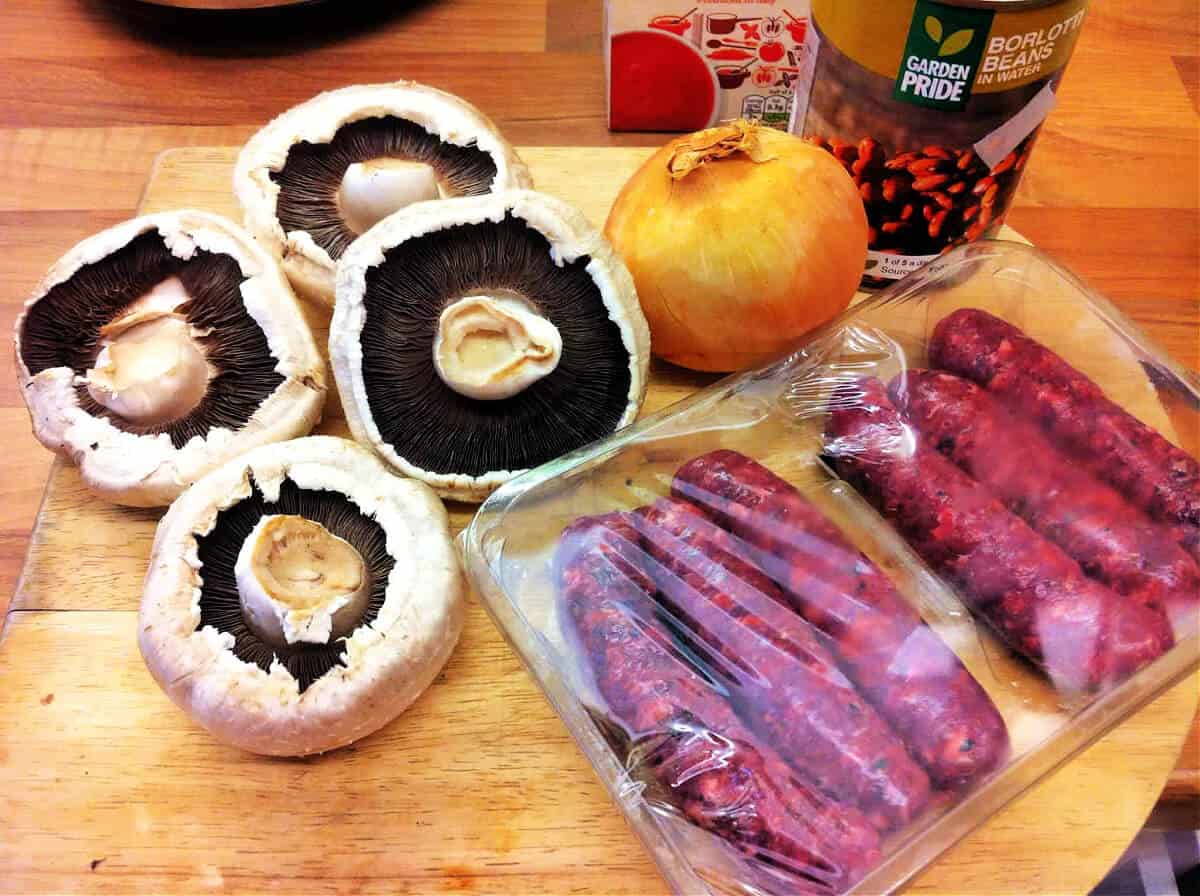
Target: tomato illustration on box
[(682, 65)]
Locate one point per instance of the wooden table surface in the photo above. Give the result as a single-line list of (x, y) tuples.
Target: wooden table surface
[(92, 91)]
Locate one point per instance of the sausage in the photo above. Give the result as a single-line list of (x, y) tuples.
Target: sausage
[(780, 678), (1110, 442), (1082, 634), (901, 666), (1111, 539), (715, 771)]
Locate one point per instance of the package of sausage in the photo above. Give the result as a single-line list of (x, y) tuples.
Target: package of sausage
[(820, 621)]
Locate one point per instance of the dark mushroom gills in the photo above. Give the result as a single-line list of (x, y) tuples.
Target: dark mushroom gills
[(159, 344), (157, 349), (260, 637), (300, 597), (335, 191), (548, 407), (326, 171), (477, 337)]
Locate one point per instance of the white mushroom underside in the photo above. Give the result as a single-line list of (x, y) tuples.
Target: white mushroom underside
[(151, 367), (494, 346), (298, 582), (372, 190), (571, 238)]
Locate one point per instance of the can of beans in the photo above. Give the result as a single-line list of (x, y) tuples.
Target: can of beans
[(933, 106)]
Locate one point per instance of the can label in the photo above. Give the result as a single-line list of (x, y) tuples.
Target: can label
[(941, 56), (933, 107), (889, 266)]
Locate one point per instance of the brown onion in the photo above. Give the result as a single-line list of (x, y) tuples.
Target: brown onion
[(740, 239)]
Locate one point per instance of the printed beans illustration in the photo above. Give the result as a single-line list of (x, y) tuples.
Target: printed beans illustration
[(928, 201)]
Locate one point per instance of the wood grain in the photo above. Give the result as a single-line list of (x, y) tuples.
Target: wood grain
[(527, 813), (1184, 781), (103, 767)]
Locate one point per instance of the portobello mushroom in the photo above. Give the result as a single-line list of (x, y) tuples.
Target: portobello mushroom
[(325, 171), (300, 597), (475, 338), (158, 349)]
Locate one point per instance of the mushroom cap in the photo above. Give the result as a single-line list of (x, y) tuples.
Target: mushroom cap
[(453, 120), (571, 238), (149, 469), (386, 664)]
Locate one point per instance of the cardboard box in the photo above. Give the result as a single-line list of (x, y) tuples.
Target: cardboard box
[(682, 65)]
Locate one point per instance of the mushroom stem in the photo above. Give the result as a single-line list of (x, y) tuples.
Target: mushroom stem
[(298, 582), (151, 367), (494, 346), (374, 189)]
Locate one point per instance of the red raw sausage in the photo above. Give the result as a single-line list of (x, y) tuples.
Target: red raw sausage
[(1113, 444), (1110, 538), (913, 679), (1039, 600), (717, 772), (780, 677)]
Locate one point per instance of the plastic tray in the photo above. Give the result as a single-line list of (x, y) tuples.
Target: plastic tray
[(776, 415)]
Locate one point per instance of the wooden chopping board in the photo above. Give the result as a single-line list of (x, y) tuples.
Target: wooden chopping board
[(106, 787)]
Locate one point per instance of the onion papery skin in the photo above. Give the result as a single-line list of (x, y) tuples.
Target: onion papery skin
[(737, 259)]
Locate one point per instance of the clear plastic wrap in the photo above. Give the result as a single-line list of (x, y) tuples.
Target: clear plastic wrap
[(817, 622)]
